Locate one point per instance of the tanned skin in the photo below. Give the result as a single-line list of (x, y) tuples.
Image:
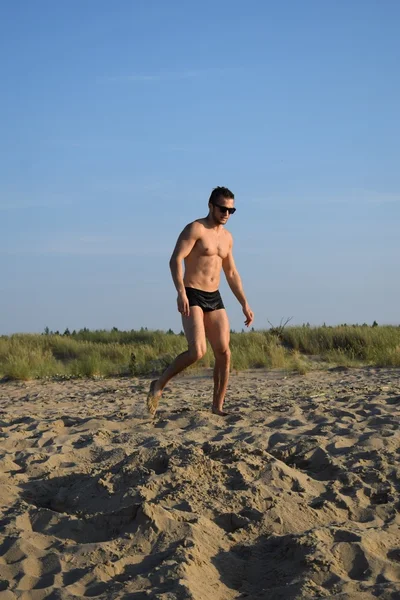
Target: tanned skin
[(205, 248)]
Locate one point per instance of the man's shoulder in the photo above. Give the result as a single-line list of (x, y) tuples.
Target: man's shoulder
[(228, 235), (199, 223), (194, 228)]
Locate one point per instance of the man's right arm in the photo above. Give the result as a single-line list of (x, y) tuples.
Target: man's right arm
[(183, 247)]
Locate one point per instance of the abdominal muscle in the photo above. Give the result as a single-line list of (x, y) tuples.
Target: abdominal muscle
[(203, 272)]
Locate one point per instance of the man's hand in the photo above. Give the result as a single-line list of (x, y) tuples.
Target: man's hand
[(183, 304), (248, 313)]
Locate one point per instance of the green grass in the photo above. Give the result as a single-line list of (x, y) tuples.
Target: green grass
[(126, 353), (379, 346)]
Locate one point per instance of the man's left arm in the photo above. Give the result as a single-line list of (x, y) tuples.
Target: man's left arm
[(235, 283)]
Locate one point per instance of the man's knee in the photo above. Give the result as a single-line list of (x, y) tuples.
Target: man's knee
[(222, 353), (197, 352)]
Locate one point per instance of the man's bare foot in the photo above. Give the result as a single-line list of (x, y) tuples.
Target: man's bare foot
[(220, 413), (153, 398)]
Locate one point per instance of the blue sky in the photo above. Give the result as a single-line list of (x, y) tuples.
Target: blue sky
[(118, 119)]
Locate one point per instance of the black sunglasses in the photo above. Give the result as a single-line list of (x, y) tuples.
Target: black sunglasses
[(225, 209)]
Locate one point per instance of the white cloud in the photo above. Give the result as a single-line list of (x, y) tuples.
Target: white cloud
[(65, 250), (164, 75), (85, 245), (96, 239), (373, 197), (347, 197), (22, 204)]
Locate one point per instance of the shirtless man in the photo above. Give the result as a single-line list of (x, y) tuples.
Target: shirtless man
[(205, 246)]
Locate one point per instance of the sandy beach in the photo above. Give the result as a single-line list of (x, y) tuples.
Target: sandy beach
[(294, 495)]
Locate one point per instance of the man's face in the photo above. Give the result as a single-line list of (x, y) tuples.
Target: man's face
[(219, 214)]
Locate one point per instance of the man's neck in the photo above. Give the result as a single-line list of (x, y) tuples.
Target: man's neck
[(214, 224)]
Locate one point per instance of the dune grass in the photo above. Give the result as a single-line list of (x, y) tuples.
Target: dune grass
[(128, 353), (378, 346)]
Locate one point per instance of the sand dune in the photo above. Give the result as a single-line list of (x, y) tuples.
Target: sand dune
[(294, 495)]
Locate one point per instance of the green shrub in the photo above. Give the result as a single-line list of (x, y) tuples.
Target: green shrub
[(104, 353)]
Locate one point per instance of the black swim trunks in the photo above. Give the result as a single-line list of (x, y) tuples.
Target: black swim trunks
[(208, 301)]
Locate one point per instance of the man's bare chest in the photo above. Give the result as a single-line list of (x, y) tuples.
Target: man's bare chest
[(213, 246)]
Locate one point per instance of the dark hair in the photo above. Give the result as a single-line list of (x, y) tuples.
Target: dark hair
[(220, 191)]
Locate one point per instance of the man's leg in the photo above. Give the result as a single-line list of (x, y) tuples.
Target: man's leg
[(193, 326), (217, 332)]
